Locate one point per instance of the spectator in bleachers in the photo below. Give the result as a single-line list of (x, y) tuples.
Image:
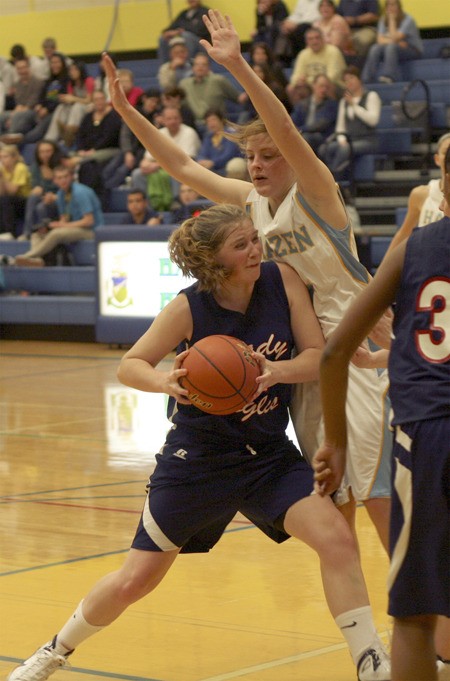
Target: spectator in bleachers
[(18, 52), (269, 16), (79, 214), (73, 106), (237, 169), (97, 142), (132, 92), (178, 65), (261, 54), (187, 204), (150, 177), (317, 58), (335, 29), (216, 150), (41, 202), (398, 40), (265, 73), (189, 25), (362, 17), (424, 202), (39, 118), (116, 171), (7, 76), (206, 90), (176, 96), (15, 187), (26, 92), (139, 211), (315, 116), (41, 65), (355, 133), (2, 98), (292, 34)]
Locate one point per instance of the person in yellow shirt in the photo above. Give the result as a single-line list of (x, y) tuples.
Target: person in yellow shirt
[(15, 187)]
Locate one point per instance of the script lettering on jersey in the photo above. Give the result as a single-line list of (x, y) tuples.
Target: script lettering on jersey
[(263, 406), (278, 246), (269, 347), (274, 350)]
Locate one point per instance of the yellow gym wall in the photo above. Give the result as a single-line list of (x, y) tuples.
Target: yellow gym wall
[(85, 31)]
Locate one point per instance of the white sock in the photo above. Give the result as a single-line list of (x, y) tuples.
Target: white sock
[(358, 629), (74, 632)]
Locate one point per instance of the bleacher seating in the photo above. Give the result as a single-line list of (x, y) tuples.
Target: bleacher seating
[(378, 248), (67, 295), (400, 214), (61, 280)]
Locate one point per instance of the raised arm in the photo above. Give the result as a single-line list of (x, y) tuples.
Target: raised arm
[(415, 202), (314, 179), (175, 161)]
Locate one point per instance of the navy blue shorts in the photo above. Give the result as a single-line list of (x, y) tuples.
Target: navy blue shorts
[(419, 575), (194, 495)]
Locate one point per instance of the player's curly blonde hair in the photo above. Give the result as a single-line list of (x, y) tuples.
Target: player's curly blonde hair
[(193, 246)]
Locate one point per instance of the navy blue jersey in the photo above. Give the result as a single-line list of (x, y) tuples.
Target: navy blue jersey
[(266, 327), (419, 363)]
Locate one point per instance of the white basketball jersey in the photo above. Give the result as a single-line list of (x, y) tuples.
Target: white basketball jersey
[(430, 211), (325, 258)]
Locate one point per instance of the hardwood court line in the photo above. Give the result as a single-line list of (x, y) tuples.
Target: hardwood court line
[(276, 663), (93, 672), (47, 372), (22, 430), (95, 556), (49, 356), (78, 487)]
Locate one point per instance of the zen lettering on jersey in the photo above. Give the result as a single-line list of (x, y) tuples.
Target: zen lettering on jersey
[(296, 240)]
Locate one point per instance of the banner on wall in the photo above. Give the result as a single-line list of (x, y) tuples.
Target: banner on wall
[(137, 279)]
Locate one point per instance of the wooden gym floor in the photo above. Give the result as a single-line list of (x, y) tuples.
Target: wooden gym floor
[(76, 449)]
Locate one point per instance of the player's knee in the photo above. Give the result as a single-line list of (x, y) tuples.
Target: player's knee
[(338, 543), (133, 587)]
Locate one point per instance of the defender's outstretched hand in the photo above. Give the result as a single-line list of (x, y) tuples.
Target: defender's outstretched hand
[(118, 98), (329, 466), (225, 46)]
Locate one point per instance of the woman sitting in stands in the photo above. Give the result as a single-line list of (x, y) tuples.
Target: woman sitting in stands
[(335, 29), (15, 187), (73, 105), (398, 40), (216, 149), (41, 203), (358, 115)]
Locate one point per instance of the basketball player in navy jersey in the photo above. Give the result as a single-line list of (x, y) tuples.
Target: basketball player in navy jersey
[(416, 277), (210, 467), (297, 208)]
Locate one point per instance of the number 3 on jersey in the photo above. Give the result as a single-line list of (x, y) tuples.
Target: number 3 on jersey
[(433, 343)]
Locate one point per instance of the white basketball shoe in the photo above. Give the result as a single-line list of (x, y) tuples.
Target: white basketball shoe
[(40, 665), (374, 664)]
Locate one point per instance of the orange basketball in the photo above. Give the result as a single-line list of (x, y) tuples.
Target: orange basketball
[(221, 374)]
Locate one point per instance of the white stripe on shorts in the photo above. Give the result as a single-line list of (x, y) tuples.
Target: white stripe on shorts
[(403, 439), (403, 487), (154, 531)]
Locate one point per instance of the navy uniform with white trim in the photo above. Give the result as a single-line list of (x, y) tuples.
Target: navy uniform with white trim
[(419, 369), (210, 467)]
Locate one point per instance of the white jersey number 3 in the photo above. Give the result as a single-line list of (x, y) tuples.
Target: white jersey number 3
[(434, 290)]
